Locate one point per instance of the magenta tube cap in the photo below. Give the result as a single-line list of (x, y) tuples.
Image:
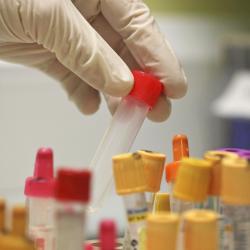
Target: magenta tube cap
[(107, 235), (41, 184)]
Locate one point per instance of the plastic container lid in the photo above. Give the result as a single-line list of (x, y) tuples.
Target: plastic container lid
[(147, 88), (235, 181), (2, 214), (41, 184), (19, 220), (201, 229), (216, 157), (180, 150), (238, 151), (107, 235), (162, 231), (129, 173), (153, 165), (73, 185), (161, 202), (193, 180)]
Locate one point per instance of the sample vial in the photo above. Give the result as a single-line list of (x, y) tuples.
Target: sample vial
[(107, 235), (16, 239), (153, 166), (2, 215), (161, 203), (130, 183), (72, 193), (39, 190), (122, 131), (236, 203), (192, 182), (200, 230), (180, 150), (162, 231), (214, 191)]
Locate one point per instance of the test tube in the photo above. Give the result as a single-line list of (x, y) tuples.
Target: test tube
[(162, 231), (130, 182), (16, 239), (153, 166), (107, 235), (122, 131), (161, 203), (2, 215), (235, 195), (214, 191), (39, 191), (192, 183), (201, 230), (180, 150), (72, 193)]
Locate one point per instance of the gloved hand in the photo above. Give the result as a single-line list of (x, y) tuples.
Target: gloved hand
[(89, 46)]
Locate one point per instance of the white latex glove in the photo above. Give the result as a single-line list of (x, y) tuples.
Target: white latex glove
[(89, 46)]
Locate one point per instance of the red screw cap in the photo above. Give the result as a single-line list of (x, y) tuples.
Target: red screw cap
[(73, 185), (147, 88), (107, 235)]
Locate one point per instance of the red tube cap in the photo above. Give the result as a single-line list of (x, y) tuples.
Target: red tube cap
[(147, 88), (107, 235), (73, 185), (41, 184)]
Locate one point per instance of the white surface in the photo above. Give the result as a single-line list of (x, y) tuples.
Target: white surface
[(35, 112), (235, 100)]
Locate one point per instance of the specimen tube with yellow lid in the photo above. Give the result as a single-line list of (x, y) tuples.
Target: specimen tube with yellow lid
[(16, 239), (130, 183), (235, 194), (162, 231), (161, 203), (192, 183), (180, 150), (200, 230), (214, 191), (153, 166), (2, 215)]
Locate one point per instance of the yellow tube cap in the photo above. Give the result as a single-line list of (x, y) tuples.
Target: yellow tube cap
[(161, 202), (153, 165), (193, 180), (2, 214), (129, 173), (19, 220), (201, 230), (235, 181), (216, 157), (162, 231)]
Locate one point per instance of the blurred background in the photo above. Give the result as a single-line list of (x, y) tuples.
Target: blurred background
[(212, 41)]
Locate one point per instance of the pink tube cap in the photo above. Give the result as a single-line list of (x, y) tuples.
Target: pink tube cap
[(88, 246), (41, 184), (107, 235)]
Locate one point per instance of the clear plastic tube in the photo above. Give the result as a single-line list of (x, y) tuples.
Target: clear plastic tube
[(119, 137), (136, 209), (69, 224), (41, 222), (236, 227), (179, 206)]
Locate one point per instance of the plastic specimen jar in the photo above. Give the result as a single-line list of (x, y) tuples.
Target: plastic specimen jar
[(130, 183), (72, 191), (39, 190), (162, 231), (236, 203), (180, 150), (122, 131), (192, 182), (200, 230)]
